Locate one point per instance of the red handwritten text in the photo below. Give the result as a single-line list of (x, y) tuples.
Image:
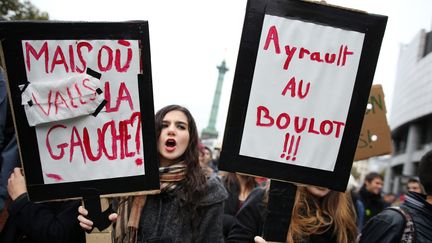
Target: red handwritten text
[(112, 140), (287, 154), (74, 94), (283, 121), (123, 94), (291, 87), (315, 56), (107, 57)]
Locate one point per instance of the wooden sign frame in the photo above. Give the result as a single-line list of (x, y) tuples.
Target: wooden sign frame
[(12, 34), (372, 26)]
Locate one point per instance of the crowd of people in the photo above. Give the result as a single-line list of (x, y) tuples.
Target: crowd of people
[(198, 203)]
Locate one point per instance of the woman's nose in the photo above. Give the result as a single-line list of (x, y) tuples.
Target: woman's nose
[(171, 129)]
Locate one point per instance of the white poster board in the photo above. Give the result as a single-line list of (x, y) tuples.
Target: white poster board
[(301, 92), (87, 147)]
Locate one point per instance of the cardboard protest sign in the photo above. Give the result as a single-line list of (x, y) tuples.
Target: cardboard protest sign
[(375, 135), (302, 80), (83, 106)]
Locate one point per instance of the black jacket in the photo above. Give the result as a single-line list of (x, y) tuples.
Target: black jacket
[(232, 203), (164, 217), (373, 203), (388, 226), (42, 222), (251, 218), (231, 207)]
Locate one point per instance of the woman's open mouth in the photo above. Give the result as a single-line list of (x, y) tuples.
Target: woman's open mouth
[(170, 144)]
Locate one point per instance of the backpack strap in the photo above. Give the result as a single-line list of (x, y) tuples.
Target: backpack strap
[(408, 235)]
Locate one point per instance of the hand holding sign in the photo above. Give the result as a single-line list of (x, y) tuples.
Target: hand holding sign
[(300, 120), (16, 184), (96, 217), (84, 89)]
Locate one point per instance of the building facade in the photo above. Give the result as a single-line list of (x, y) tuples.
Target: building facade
[(411, 112)]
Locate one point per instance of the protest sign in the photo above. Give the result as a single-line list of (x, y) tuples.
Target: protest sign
[(375, 135), (83, 107), (302, 80)]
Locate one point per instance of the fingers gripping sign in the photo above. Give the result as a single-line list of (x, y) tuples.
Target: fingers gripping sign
[(16, 184)]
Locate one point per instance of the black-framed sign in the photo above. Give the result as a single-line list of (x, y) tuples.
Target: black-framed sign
[(83, 106), (302, 80)]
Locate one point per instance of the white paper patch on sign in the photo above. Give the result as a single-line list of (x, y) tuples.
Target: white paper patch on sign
[(65, 99)]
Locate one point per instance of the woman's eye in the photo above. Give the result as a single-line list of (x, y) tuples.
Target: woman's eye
[(181, 127)]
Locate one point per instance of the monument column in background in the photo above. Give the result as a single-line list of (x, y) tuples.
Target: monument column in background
[(210, 131)]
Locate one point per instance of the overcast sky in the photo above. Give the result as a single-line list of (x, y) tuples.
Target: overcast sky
[(189, 38)]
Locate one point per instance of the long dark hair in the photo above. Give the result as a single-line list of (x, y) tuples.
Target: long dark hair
[(195, 183), (232, 182)]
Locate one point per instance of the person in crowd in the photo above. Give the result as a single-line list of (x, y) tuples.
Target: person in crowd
[(8, 145), (206, 160), (39, 222), (216, 156), (414, 185), (239, 187), (319, 215), (189, 208), (370, 195), (412, 222), (27, 221)]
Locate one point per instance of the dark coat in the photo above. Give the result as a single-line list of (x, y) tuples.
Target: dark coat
[(373, 203), (251, 218), (232, 203), (231, 207), (388, 226), (165, 218), (9, 157), (42, 222)]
